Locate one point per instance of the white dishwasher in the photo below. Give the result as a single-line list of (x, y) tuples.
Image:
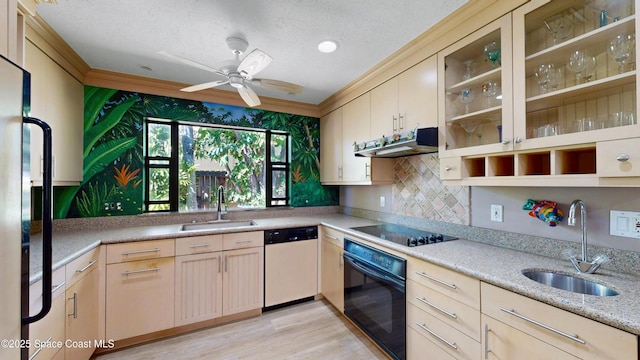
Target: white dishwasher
[(290, 266)]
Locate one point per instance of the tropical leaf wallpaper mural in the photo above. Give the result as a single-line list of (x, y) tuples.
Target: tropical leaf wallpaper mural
[(114, 150)]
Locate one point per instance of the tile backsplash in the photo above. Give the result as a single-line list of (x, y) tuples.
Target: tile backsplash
[(418, 192)]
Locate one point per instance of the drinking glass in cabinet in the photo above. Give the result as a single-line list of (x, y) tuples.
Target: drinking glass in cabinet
[(492, 51), (559, 26), (579, 63), (468, 74), (466, 96), (490, 91), (469, 127), (621, 50), (622, 118)]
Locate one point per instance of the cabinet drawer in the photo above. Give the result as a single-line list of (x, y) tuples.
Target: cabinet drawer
[(139, 250), (448, 282), (52, 325), (198, 244), (458, 315), (334, 236), (444, 336), (608, 152), (451, 168), (242, 240), (81, 266), (418, 346), (592, 340)]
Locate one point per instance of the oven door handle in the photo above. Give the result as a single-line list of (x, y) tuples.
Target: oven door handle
[(398, 285)]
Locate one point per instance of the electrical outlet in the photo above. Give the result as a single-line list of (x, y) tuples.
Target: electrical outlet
[(382, 201), (624, 223), (496, 213)]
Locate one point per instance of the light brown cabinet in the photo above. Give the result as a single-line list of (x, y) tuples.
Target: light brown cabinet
[(443, 310), (243, 280), (564, 106), (331, 148), (51, 329), (198, 280), (406, 101), (56, 98), (139, 293), (332, 267), (82, 316), (560, 329)]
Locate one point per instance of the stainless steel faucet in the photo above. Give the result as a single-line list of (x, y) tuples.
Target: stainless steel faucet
[(220, 201), (583, 265)]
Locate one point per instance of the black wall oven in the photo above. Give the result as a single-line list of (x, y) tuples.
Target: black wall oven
[(374, 295)]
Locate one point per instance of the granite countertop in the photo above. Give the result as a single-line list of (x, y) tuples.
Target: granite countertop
[(495, 265)]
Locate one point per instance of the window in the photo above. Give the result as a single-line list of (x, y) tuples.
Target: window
[(187, 163)]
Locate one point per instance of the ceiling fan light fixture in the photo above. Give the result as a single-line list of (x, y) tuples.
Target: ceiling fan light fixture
[(327, 46), (235, 80)]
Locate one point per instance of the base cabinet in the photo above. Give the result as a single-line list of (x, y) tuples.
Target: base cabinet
[(198, 293), (518, 319), (501, 341), (243, 280), (51, 327), (82, 317), (332, 268)]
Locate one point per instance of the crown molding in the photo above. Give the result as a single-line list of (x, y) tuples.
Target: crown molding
[(134, 83)]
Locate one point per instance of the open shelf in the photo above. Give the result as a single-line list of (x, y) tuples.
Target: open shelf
[(576, 161), (476, 81)]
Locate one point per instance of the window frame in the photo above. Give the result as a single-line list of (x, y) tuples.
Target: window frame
[(174, 166)]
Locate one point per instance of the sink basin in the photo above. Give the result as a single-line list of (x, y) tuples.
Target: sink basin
[(216, 225), (569, 283)]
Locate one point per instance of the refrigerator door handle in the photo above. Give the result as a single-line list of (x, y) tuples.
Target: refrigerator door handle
[(47, 220)]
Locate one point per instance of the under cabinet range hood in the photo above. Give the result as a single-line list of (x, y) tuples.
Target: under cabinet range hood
[(414, 142)]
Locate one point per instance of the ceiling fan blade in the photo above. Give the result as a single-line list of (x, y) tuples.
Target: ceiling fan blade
[(253, 63), (249, 96), (191, 63), (278, 85), (203, 86)]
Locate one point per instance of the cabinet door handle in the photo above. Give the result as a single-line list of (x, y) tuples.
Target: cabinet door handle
[(623, 157), (75, 305), (127, 273), (80, 271), (447, 342), (448, 168), (486, 341), (393, 122), (198, 246), (401, 122), (330, 237), (35, 354), (436, 307), (243, 241), (340, 261), (155, 250), (423, 274), (505, 141), (546, 327), (56, 287), (367, 172), (340, 172), (517, 140), (219, 264)]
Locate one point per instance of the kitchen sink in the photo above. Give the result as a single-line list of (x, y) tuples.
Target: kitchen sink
[(217, 225), (569, 282)]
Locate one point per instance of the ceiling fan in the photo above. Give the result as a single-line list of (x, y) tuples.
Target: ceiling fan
[(239, 73)]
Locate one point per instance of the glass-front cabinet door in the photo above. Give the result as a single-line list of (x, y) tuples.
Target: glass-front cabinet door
[(575, 72), (475, 83)]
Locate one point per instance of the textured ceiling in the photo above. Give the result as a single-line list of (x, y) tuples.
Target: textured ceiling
[(124, 35)]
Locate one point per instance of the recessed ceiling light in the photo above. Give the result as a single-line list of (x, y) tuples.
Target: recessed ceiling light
[(328, 46)]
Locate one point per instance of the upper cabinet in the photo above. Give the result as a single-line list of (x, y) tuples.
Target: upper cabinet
[(475, 86), (331, 147), (56, 98), (406, 101), (567, 82)]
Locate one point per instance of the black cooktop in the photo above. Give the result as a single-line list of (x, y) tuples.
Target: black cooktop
[(403, 235)]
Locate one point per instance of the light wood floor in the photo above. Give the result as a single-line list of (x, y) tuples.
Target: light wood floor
[(311, 330)]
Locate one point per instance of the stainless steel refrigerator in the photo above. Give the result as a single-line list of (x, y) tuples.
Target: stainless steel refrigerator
[(15, 212)]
